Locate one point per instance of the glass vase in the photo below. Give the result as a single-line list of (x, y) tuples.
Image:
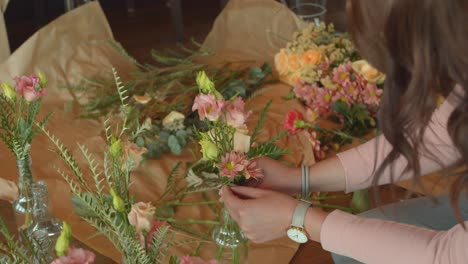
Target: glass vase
[(45, 229), (231, 241), (22, 206)]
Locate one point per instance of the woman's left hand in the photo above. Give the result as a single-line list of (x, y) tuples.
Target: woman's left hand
[(263, 215)]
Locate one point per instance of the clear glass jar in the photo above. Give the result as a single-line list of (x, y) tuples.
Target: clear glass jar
[(45, 229), (22, 206), (232, 242)]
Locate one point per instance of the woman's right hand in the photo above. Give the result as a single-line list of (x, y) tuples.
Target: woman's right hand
[(278, 177)]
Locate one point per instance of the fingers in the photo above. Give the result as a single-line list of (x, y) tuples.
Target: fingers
[(231, 202), (249, 192)]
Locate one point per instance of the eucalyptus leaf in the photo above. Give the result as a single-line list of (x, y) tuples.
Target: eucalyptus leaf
[(174, 144)]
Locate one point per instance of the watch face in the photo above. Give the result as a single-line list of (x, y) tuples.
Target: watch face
[(297, 235)]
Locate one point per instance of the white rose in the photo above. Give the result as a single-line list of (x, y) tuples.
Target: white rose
[(241, 142), (369, 73), (174, 121)]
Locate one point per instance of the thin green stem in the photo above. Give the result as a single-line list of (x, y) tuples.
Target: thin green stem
[(193, 203), (331, 206), (189, 221)]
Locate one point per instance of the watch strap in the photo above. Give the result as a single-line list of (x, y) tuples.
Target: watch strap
[(304, 181), (299, 214)]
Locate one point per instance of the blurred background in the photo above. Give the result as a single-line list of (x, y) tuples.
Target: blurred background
[(139, 24)]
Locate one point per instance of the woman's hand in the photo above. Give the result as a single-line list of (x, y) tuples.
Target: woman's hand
[(278, 177), (263, 215)]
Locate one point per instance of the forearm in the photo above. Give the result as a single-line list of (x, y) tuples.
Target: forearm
[(327, 175)]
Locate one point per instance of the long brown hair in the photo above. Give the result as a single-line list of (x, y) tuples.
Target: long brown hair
[(422, 47)]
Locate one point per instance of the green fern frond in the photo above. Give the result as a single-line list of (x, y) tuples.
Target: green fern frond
[(121, 50), (267, 149), (171, 182), (260, 123), (120, 87), (257, 93), (156, 249), (94, 168)]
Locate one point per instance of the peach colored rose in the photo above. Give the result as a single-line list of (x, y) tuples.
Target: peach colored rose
[(281, 62), (311, 57), (134, 152), (29, 87), (141, 216), (294, 62), (142, 99)]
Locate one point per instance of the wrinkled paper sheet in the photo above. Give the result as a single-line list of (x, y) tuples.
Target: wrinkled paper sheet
[(4, 45), (75, 46)]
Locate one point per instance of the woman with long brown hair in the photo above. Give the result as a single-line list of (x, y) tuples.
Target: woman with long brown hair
[(422, 47)]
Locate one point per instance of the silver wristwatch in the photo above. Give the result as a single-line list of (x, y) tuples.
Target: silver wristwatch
[(296, 231)]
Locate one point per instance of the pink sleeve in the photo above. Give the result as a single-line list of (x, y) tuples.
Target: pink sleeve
[(359, 162), (380, 241)]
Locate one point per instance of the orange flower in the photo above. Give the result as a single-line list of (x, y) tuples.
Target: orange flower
[(281, 62), (311, 57), (294, 62)]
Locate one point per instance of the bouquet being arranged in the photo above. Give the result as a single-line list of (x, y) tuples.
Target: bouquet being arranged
[(332, 83), (229, 150)]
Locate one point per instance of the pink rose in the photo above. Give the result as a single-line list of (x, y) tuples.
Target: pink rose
[(235, 116), (208, 106), (141, 216), (76, 256), (196, 260), (29, 87)]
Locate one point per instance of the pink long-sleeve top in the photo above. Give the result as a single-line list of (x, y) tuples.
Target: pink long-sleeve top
[(381, 241)]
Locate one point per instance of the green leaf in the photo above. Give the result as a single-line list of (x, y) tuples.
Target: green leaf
[(174, 144), (291, 95), (234, 88), (341, 107)]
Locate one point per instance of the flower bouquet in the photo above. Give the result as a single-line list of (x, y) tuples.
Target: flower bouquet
[(333, 84), (229, 152)]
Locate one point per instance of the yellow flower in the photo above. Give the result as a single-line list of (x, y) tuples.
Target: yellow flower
[(42, 79), (369, 73), (208, 149), (63, 241), (117, 202), (115, 148), (204, 83), (9, 92), (328, 83)]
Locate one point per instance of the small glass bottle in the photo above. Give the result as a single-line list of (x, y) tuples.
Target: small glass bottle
[(22, 206), (45, 229), (232, 242)]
